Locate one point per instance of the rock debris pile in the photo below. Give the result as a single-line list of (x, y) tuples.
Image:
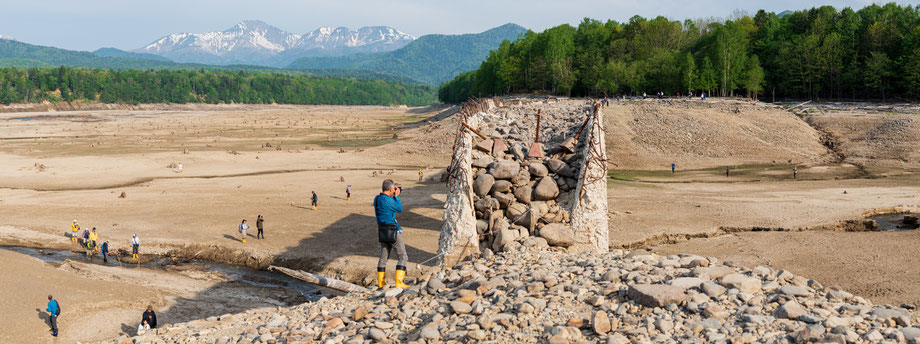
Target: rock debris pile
[(517, 194), (529, 294)]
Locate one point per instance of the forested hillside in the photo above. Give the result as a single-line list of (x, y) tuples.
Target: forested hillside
[(872, 53), (18, 85), (431, 58)]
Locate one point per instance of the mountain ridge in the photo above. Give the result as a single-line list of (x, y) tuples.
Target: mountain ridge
[(430, 58), (257, 42)]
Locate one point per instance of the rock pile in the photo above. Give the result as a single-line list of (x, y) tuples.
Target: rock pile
[(516, 195), (528, 294)]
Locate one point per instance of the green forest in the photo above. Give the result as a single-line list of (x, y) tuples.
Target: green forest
[(821, 53), (21, 85)]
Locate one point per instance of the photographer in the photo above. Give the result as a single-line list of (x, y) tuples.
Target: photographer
[(386, 205)]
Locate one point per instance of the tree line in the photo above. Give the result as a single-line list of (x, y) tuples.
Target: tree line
[(32, 85), (820, 53)]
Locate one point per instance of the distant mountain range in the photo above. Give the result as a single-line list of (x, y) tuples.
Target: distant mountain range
[(431, 58), (258, 43)]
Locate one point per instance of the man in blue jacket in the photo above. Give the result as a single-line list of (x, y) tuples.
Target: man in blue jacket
[(53, 312), (386, 205)]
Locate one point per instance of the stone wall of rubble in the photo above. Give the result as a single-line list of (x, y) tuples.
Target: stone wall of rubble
[(515, 191)]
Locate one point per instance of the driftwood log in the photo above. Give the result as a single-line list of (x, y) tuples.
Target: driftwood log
[(330, 283)]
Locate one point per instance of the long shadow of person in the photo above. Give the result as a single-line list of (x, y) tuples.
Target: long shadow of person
[(44, 317)]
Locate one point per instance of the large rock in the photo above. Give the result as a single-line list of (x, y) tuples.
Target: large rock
[(501, 186), (523, 194), (504, 169), (743, 283), (558, 234), (546, 190), (487, 204), (482, 162), (504, 236), (789, 310), (555, 165), (538, 170), (483, 184), (520, 215), (504, 199), (656, 295)]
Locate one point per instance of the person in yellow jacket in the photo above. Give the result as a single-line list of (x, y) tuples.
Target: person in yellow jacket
[(74, 227), (93, 237)]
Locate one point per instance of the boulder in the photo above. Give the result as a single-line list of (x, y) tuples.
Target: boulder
[(523, 194), (504, 169), (546, 190), (487, 204), (538, 170), (483, 184), (504, 199), (558, 234), (500, 186), (555, 165), (656, 295), (503, 236), (520, 215), (743, 283), (521, 179), (482, 162), (789, 310)]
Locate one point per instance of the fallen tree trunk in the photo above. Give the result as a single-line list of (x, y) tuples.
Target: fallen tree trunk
[(330, 283)]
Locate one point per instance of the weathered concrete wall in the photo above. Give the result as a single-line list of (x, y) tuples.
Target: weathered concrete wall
[(458, 237), (589, 215)]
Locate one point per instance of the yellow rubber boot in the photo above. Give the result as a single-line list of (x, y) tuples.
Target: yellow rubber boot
[(381, 279), (400, 274), (244, 240)]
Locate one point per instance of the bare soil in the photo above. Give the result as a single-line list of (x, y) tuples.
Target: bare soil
[(58, 166)]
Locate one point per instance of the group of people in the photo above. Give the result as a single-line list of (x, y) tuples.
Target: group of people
[(244, 229), (148, 319), (92, 246)]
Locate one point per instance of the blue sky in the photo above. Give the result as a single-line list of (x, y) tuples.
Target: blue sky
[(130, 24)]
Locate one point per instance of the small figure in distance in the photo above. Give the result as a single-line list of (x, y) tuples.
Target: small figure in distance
[(348, 192), (313, 200), (244, 230), (259, 221), (673, 167)]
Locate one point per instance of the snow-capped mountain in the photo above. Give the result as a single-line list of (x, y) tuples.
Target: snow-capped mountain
[(7, 37), (255, 42)]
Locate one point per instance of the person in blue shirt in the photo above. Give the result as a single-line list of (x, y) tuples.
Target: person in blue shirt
[(53, 312), (386, 206), (673, 166)]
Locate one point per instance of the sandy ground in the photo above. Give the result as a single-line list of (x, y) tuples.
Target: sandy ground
[(100, 302), (58, 169)]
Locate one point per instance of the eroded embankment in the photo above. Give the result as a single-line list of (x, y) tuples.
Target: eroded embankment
[(864, 223)]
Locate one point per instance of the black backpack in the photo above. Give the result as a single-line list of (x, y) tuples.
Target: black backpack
[(58, 311)]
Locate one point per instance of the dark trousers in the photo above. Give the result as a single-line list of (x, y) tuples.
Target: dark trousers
[(105, 258), (134, 248), (259, 234), (53, 320)]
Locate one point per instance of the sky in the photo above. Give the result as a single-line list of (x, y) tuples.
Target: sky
[(131, 24)]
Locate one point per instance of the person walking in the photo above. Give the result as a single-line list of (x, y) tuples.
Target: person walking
[(795, 172), (726, 171), (135, 246), (90, 247), (93, 237), (105, 251), (180, 168), (419, 176), (673, 167), (54, 310), (150, 317), (244, 230), (313, 200), (348, 192), (259, 221), (389, 233), (74, 227)]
